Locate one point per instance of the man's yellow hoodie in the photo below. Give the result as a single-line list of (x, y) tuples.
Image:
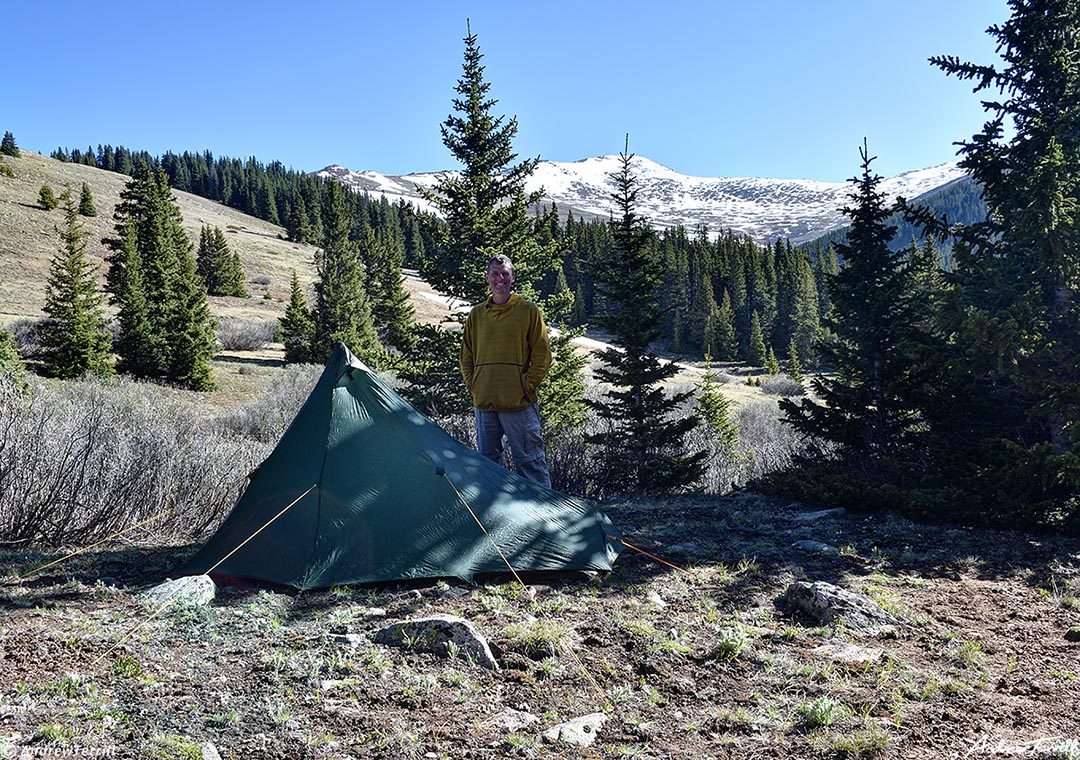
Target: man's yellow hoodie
[(504, 354)]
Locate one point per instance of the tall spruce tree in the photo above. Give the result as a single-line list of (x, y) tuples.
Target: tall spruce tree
[(76, 337), (166, 328), (384, 254), (643, 449), (1008, 383), (342, 310), (485, 205), (721, 340), (297, 326), (867, 405)]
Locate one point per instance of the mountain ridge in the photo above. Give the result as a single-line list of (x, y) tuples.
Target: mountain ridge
[(765, 209)]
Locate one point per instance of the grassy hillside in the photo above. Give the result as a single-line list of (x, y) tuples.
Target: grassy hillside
[(28, 239)]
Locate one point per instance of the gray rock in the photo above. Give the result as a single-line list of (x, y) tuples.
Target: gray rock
[(816, 547), (197, 590), (444, 635), (850, 654), (349, 639), (579, 732), (510, 720), (825, 603), (209, 752), (819, 515)]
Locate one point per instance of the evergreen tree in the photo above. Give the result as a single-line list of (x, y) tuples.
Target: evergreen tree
[(432, 375), (703, 305), (8, 146), (166, 328), (390, 303), (297, 326), (75, 338), (485, 205), (218, 267), (562, 394), (867, 403), (793, 367), (755, 351), (715, 408), (772, 365), (86, 202), (299, 222), (644, 447), (47, 198), (806, 321), (342, 311), (721, 340), (1006, 386), (138, 347), (11, 364)]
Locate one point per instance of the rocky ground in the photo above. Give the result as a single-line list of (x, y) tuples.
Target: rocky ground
[(703, 661)]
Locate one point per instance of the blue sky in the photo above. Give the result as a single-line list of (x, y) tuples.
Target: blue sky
[(770, 88)]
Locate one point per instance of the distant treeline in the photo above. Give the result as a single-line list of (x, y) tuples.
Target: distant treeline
[(731, 295), (960, 202)]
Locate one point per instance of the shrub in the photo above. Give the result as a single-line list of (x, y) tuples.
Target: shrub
[(265, 419), (260, 279), (27, 334), (47, 198), (782, 385), (81, 460), (767, 443), (238, 334), (6, 170)]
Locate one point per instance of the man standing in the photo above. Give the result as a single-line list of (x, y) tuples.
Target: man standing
[(504, 357)]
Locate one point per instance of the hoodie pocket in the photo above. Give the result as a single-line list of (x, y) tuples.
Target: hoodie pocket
[(499, 386)]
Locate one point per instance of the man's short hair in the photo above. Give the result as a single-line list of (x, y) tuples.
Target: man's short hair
[(501, 259)]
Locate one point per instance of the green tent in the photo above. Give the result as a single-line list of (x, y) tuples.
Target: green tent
[(384, 506)]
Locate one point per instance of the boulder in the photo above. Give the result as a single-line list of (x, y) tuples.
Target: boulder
[(197, 590), (824, 604), (441, 634), (579, 732)]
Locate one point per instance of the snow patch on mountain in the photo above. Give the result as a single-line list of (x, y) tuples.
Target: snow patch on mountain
[(765, 209)]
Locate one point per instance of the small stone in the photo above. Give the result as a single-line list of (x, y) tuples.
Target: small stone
[(511, 720), (819, 515), (198, 590), (655, 600), (816, 547), (579, 732), (849, 653)]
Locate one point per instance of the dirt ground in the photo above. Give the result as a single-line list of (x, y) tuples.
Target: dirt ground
[(696, 662)]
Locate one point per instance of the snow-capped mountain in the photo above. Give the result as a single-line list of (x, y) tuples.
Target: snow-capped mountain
[(766, 209)]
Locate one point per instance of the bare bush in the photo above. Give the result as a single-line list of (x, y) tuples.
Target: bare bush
[(767, 443), (83, 460), (260, 279), (239, 334), (782, 385), (266, 418), (27, 334)]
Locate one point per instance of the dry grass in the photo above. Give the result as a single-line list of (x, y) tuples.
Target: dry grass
[(28, 239)]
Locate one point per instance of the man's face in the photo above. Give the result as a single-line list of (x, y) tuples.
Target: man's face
[(500, 278)]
